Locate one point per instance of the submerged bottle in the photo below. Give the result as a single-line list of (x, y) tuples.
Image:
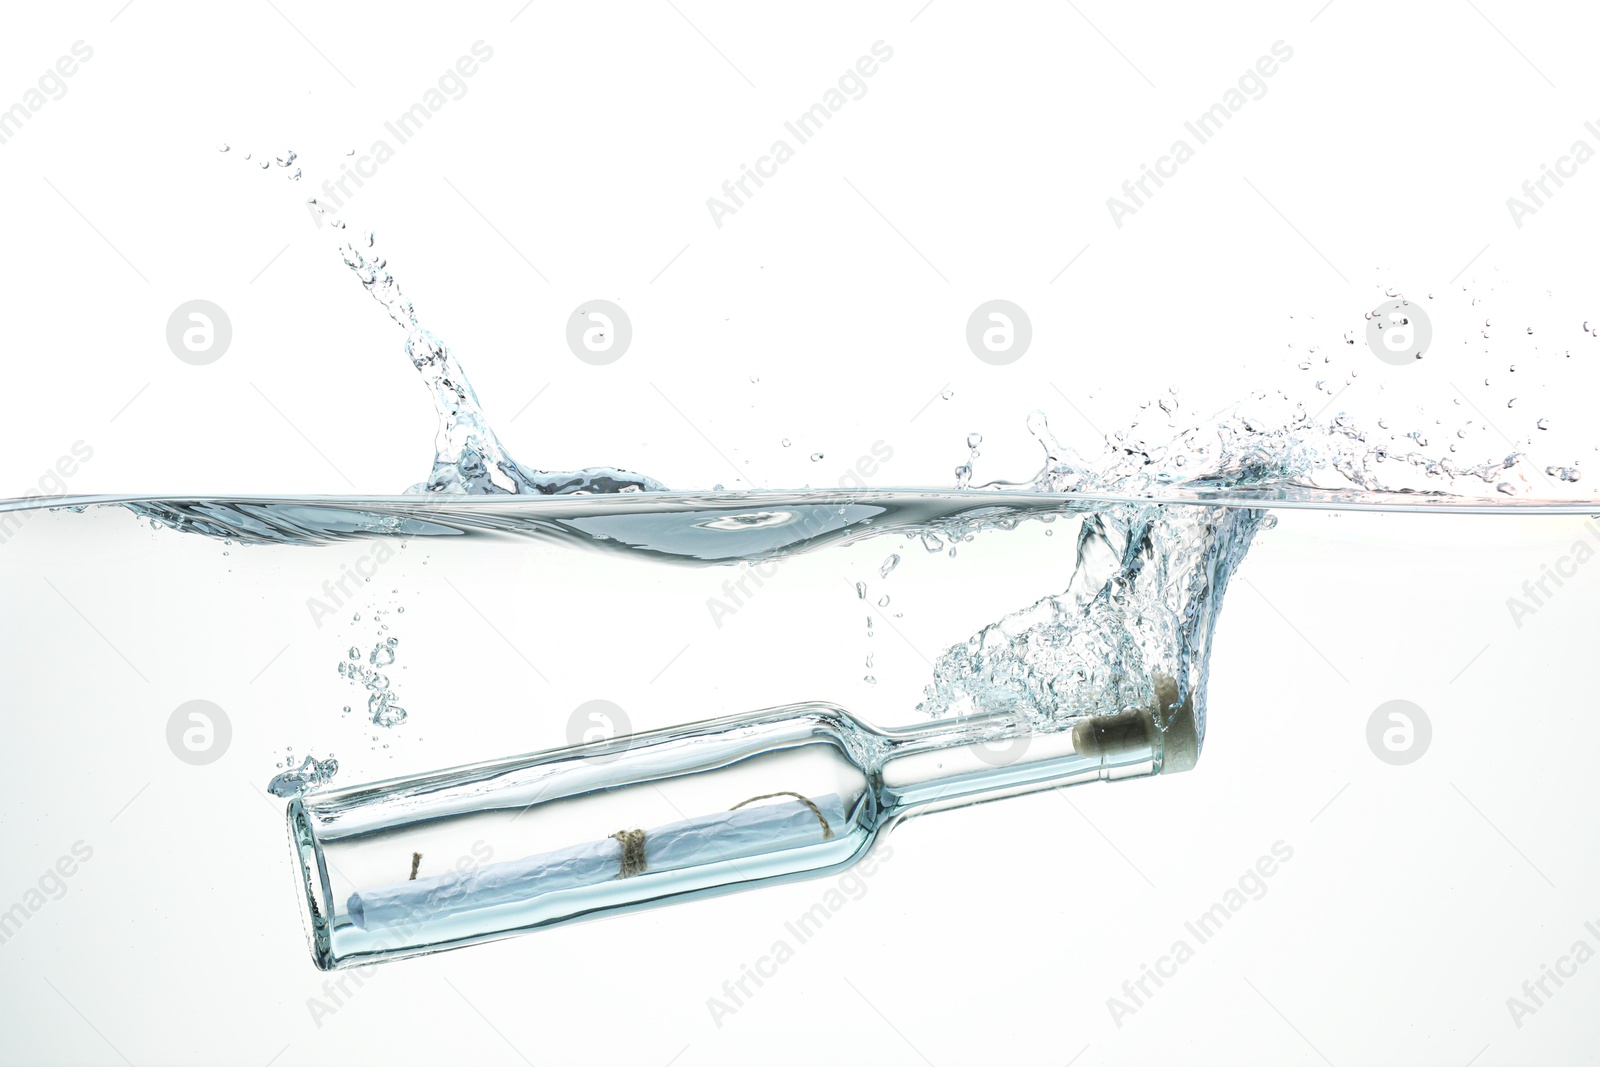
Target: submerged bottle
[(476, 853)]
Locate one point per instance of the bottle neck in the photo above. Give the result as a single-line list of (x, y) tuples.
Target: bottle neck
[(976, 759)]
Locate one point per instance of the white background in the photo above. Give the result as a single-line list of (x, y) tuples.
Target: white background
[(978, 164)]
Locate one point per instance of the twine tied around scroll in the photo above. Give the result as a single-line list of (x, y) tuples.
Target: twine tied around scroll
[(632, 841), (827, 831), (633, 861)]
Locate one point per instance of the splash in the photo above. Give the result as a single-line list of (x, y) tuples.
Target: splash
[(1246, 446), (310, 775), (1148, 579), (1146, 587), (1267, 444), (1143, 598), (468, 455)]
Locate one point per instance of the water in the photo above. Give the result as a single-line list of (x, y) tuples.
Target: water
[(1152, 530), (500, 607), (515, 610), (415, 632)]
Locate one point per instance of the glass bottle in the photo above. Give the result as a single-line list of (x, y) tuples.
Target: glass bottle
[(455, 857)]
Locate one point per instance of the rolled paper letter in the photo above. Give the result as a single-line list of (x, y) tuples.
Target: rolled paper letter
[(733, 835)]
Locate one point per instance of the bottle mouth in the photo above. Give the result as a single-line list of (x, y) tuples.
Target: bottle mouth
[(1166, 733)]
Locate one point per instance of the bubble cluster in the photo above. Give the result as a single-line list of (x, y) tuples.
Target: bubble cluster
[(382, 707)]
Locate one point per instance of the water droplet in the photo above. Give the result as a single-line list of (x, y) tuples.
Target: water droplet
[(815, 456), (222, 146), (889, 564)]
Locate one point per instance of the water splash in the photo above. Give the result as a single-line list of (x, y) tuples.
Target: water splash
[(468, 455), (1142, 600), (297, 781), (1269, 447), (1149, 579)]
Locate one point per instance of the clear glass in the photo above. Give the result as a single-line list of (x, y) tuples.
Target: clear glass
[(449, 859)]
